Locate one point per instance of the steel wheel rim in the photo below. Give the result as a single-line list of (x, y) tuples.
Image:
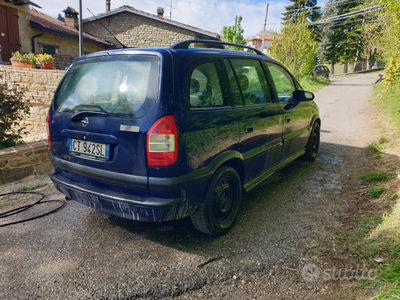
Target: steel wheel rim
[(315, 143), (223, 200)]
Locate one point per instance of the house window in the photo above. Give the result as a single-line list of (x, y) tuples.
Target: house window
[(49, 49)]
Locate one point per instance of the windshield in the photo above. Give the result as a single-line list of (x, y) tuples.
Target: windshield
[(118, 85)]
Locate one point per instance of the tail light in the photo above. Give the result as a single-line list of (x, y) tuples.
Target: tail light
[(48, 130), (163, 142)]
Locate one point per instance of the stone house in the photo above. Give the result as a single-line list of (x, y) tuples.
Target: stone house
[(136, 28), (28, 30), (60, 39), (256, 41), (15, 30)]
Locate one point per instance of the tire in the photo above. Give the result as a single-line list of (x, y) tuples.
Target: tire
[(312, 147), (218, 210)]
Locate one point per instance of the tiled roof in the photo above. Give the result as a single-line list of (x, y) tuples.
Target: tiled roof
[(23, 2), (48, 24), (266, 37), (130, 9)]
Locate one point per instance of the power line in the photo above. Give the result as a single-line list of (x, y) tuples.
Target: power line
[(327, 4), (347, 15), (224, 24), (340, 23)]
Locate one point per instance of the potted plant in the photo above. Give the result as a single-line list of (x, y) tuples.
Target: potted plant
[(23, 61), (46, 60)]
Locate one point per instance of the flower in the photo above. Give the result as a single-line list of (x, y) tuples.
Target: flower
[(44, 58)]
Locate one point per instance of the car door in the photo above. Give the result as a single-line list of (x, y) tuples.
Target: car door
[(207, 123), (297, 116), (259, 117)]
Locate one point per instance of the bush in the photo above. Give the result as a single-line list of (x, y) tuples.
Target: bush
[(12, 111), (313, 84), (392, 71)]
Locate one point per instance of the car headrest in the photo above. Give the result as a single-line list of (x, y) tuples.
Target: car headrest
[(194, 86), (243, 82)]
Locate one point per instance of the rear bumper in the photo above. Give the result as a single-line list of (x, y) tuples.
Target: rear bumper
[(146, 209)]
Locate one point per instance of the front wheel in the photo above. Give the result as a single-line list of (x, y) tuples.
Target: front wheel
[(312, 147), (220, 205)]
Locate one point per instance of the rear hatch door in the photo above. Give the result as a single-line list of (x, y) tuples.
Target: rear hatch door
[(97, 117)]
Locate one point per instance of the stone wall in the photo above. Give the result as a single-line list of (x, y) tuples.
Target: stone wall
[(137, 31), (40, 85), (24, 161)]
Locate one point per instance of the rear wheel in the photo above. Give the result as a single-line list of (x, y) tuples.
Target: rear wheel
[(312, 147), (220, 205)]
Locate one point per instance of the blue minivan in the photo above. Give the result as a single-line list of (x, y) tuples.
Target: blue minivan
[(161, 134)]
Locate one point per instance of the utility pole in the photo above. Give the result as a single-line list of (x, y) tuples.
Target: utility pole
[(80, 29), (170, 11), (265, 25)]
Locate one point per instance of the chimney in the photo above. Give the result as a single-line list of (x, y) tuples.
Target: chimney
[(160, 12), (71, 17), (108, 5)]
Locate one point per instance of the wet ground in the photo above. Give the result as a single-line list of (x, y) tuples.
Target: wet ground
[(80, 253)]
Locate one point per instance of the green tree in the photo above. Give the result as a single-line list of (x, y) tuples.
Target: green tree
[(389, 40), (371, 28), (308, 8), (60, 18), (234, 34), (341, 32), (297, 48), (327, 52), (350, 31)]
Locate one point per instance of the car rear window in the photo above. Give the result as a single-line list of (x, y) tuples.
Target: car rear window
[(121, 85)]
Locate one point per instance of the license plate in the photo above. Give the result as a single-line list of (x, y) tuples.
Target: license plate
[(89, 149)]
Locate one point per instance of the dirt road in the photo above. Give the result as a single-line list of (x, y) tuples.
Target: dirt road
[(80, 253)]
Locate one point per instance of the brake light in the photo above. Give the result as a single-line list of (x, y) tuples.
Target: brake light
[(163, 142), (48, 130)]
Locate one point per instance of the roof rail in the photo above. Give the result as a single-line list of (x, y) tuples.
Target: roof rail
[(185, 45)]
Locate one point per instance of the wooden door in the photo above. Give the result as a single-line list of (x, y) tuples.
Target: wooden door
[(9, 32)]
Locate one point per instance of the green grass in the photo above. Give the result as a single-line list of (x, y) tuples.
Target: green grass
[(388, 100), (313, 84), (379, 236), (375, 236), (376, 191), (379, 146), (376, 176), (376, 72), (30, 188), (390, 276)]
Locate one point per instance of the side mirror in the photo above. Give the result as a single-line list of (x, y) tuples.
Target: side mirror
[(303, 96)]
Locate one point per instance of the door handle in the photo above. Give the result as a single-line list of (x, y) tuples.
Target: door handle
[(287, 119), (248, 129)]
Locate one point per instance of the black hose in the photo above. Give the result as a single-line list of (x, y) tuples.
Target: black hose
[(25, 207)]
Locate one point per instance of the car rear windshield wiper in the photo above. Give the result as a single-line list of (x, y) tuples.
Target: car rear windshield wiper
[(80, 115)]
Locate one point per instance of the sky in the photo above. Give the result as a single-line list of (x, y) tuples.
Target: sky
[(209, 15)]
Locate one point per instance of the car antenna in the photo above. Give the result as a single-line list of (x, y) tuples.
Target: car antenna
[(123, 46)]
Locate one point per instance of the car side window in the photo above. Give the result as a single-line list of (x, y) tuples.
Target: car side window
[(237, 97), (252, 81), (205, 87), (283, 82)]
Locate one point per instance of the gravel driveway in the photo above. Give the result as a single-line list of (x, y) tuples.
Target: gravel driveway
[(80, 253)]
